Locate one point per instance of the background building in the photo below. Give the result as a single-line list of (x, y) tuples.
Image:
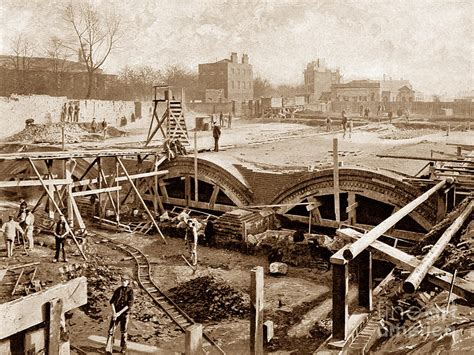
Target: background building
[(318, 79), (49, 76), (234, 78)]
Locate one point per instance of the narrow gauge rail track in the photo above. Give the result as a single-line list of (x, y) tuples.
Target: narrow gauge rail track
[(164, 302)]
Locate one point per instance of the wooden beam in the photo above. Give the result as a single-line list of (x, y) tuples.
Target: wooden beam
[(51, 197), (32, 183), (26, 312), (141, 199), (213, 199), (335, 156), (256, 311), (408, 157), (54, 313), (359, 245), (408, 262), (413, 281), (193, 340)]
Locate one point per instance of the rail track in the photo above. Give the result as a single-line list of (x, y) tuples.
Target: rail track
[(159, 298)]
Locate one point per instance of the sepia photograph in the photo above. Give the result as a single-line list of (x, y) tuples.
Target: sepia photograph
[(240, 177)]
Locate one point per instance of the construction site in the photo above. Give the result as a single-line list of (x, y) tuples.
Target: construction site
[(310, 239)]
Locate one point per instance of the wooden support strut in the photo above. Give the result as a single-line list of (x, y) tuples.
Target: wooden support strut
[(413, 281), (140, 198), (51, 197), (256, 316), (359, 245)]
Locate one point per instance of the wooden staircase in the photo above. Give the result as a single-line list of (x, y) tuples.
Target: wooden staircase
[(176, 124)]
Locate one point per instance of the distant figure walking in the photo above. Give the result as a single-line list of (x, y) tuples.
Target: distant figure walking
[(229, 120), (10, 229), (221, 119), (104, 127), (63, 112), (361, 110), (70, 110), (351, 127), (216, 133), (390, 115), (328, 124), (94, 125), (344, 123), (76, 113), (366, 113)]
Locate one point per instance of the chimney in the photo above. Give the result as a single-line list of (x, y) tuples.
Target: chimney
[(245, 59), (233, 57)]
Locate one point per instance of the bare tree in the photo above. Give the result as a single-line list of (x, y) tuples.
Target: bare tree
[(97, 35), (22, 60), (59, 53)]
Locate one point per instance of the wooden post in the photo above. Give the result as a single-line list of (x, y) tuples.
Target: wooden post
[(55, 309), (140, 198), (63, 143), (68, 176), (340, 300), (365, 279), (193, 340), (351, 208), (117, 194), (51, 197), (99, 180), (336, 180), (441, 206), (196, 195), (187, 189), (256, 310)]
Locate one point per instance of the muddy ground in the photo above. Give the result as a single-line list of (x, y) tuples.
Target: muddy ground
[(295, 302)]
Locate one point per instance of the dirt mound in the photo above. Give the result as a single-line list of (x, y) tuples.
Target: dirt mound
[(210, 299), (50, 133)]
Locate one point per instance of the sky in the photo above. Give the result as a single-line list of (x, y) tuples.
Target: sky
[(429, 42)]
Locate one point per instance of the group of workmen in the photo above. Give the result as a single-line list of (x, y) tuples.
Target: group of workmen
[(70, 113), (20, 230)]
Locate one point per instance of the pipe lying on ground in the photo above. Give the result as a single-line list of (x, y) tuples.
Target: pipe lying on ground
[(361, 244), (413, 281)]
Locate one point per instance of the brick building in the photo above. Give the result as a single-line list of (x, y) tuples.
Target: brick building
[(373, 91), (318, 79), (234, 78), (48, 76)]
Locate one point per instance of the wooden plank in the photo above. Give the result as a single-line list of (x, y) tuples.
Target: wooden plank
[(141, 199), (77, 213), (96, 191), (86, 182), (26, 312), (409, 157), (58, 210), (408, 262), (31, 183), (193, 340)]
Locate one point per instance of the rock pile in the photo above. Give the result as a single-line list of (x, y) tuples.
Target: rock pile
[(210, 299), (50, 133)]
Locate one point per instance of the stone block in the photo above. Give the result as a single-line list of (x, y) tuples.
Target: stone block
[(278, 268)]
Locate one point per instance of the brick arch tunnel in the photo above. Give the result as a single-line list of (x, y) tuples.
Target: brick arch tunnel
[(371, 196)]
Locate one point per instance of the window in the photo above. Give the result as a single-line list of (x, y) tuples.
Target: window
[(238, 71), (238, 85), (243, 82), (232, 82)]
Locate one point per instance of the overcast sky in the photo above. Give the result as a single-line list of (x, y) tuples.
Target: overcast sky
[(429, 42)]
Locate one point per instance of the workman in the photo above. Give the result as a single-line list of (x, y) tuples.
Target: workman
[(60, 233), (193, 226), (9, 232), (216, 133), (30, 226), (121, 304)]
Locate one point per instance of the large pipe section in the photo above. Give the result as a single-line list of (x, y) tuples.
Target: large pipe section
[(413, 281), (361, 244)]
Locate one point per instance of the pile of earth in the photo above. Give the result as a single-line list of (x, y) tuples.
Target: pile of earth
[(49, 133), (208, 298)]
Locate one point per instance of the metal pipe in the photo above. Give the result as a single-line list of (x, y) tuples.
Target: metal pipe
[(359, 245), (414, 280)]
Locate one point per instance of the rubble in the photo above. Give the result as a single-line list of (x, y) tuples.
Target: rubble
[(51, 133), (208, 298), (278, 268)]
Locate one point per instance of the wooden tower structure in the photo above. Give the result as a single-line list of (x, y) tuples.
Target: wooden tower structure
[(172, 124)]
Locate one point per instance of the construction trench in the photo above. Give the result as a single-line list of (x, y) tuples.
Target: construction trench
[(365, 258)]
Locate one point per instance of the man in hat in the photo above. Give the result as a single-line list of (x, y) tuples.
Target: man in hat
[(60, 232), (121, 303), (216, 133), (30, 226), (193, 226)]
